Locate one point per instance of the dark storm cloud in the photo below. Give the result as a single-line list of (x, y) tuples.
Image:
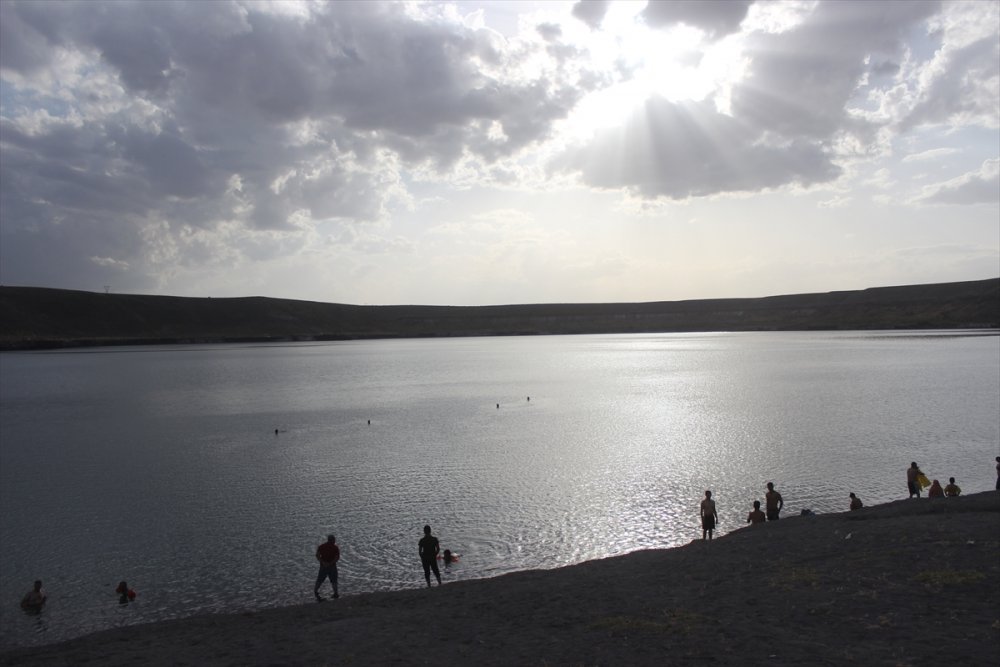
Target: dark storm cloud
[(717, 18)]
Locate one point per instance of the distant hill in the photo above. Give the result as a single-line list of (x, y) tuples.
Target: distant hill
[(33, 317)]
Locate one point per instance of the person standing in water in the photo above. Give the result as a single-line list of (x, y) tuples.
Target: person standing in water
[(34, 599), (327, 554), (428, 548), (709, 516), (774, 502)]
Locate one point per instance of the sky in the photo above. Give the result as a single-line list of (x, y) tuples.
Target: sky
[(474, 153)]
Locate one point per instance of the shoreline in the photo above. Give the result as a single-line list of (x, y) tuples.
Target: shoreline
[(901, 583)]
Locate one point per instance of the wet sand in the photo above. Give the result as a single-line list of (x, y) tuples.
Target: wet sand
[(912, 582)]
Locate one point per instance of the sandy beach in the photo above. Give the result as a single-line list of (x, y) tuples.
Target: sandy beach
[(905, 583)]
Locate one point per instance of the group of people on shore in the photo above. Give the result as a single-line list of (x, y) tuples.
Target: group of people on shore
[(773, 504), (915, 481)]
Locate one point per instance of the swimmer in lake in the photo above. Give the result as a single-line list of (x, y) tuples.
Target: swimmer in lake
[(34, 599)]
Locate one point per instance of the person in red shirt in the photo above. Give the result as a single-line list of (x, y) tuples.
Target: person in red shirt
[(327, 554)]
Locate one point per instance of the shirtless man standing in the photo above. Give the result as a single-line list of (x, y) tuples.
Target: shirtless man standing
[(774, 502)]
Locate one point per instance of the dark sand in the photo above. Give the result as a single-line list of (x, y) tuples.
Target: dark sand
[(914, 582)]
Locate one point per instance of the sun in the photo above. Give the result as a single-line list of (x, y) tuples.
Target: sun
[(676, 64)]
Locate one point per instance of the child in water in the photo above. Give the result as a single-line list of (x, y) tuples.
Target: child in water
[(449, 557), (125, 594)]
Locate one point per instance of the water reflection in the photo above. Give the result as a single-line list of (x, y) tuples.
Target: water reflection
[(613, 453)]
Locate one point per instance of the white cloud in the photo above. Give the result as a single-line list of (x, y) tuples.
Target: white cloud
[(978, 187), (161, 145)]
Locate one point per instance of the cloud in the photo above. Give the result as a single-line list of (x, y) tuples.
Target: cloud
[(591, 12), (932, 154), (977, 187), (961, 83), (716, 18), (689, 149), (330, 102), (789, 120), (800, 81)]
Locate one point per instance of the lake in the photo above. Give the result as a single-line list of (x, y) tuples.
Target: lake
[(161, 465)]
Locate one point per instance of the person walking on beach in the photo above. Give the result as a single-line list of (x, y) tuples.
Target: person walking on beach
[(912, 473), (774, 502), (327, 554), (856, 503), (34, 599), (756, 516), (709, 516), (428, 548), (998, 473), (952, 490)]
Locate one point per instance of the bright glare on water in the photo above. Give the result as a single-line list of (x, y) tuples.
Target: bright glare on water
[(161, 465)]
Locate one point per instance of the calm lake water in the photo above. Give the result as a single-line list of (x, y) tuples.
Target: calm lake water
[(160, 465)]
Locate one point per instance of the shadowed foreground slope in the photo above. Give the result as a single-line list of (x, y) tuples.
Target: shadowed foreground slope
[(33, 317), (907, 583)]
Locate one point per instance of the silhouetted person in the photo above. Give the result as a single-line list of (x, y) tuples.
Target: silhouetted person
[(125, 594), (856, 503), (34, 599), (756, 516), (429, 548), (327, 554), (936, 490), (709, 517), (912, 473), (952, 490), (774, 502)]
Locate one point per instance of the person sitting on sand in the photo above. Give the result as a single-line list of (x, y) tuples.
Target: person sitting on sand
[(34, 599), (756, 516), (952, 490), (936, 490), (774, 502), (125, 594), (912, 473), (709, 516), (428, 547), (856, 503), (327, 554)]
